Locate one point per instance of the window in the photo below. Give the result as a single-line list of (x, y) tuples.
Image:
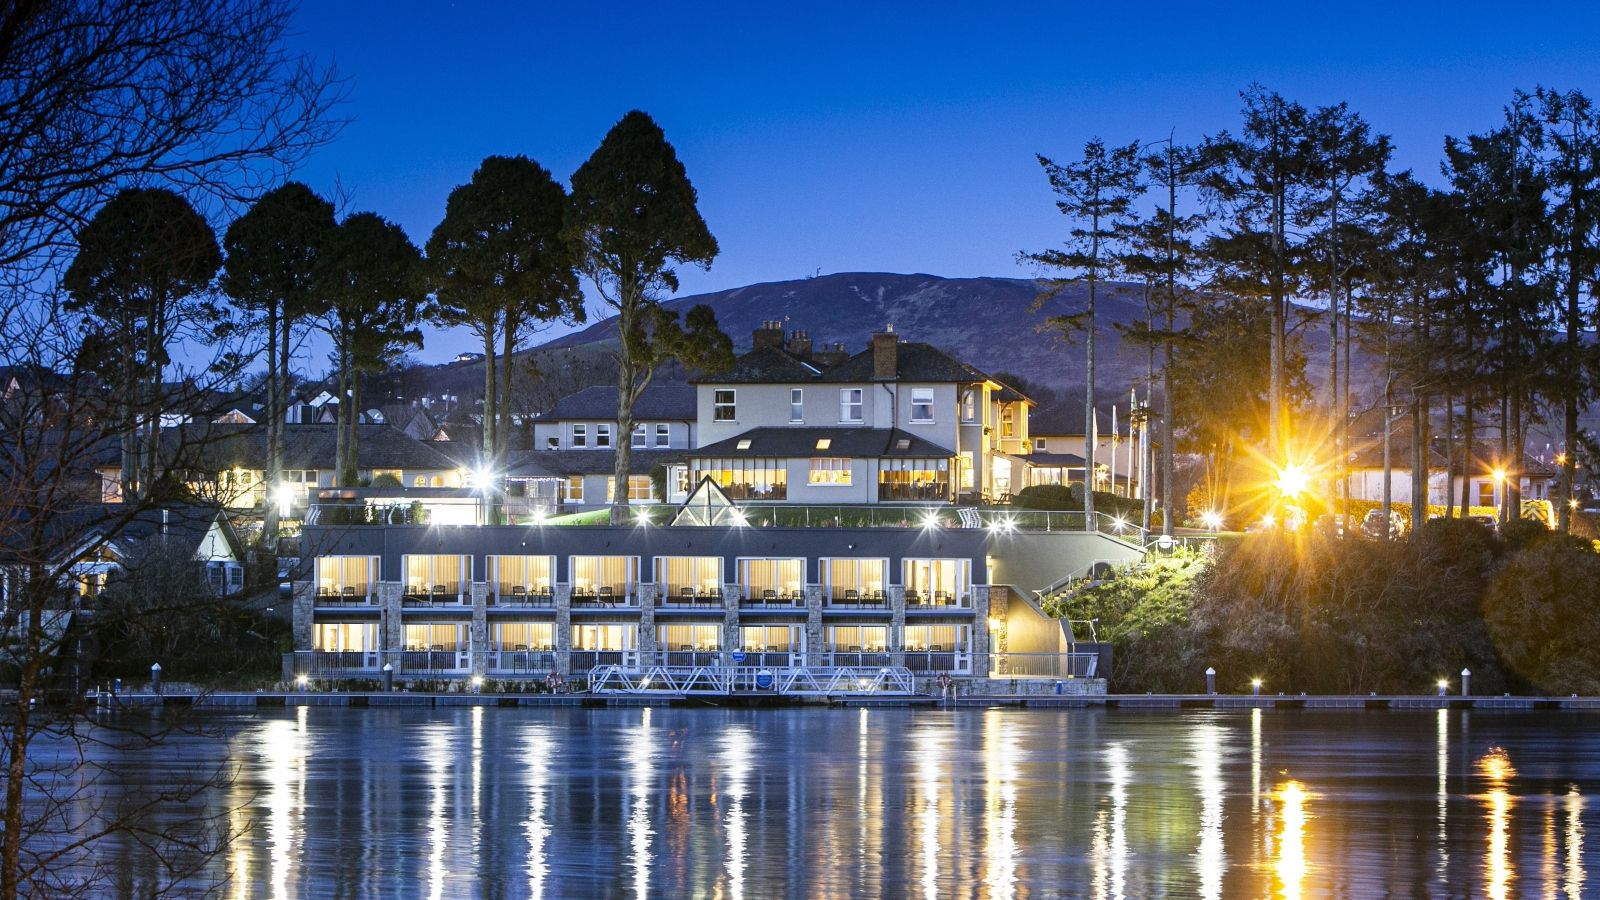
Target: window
[(723, 406), (640, 487), (602, 436), (922, 404), (1008, 422), (797, 405), (574, 488), (745, 479), (640, 433), (1038, 445), (663, 434), (421, 481), (830, 471), (1485, 493), (824, 443), (850, 405), (580, 435), (969, 405)]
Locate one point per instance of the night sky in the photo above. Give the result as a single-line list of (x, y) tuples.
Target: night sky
[(879, 137)]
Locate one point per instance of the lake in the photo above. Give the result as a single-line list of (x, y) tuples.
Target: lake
[(569, 802)]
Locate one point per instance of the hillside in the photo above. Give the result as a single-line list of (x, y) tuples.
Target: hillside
[(988, 322)]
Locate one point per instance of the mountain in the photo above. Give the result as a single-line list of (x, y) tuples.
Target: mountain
[(988, 322)]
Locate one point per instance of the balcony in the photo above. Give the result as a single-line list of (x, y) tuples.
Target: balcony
[(346, 595), (334, 663), (521, 661), (839, 658), (769, 598), (584, 660), (689, 598), (435, 661), (693, 658), (937, 659), (521, 597), (866, 601), (433, 595), (606, 597), (926, 492), (936, 601)]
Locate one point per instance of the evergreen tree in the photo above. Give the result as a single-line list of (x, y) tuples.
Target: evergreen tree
[(1096, 193), (633, 217), (371, 275), (271, 266), (501, 266)]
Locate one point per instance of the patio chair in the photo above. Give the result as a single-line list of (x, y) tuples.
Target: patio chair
[(941, 598), (348, 591), (519, 591), (913, 598), (852, 596), (687, 593), (608, 595), (769, 596)]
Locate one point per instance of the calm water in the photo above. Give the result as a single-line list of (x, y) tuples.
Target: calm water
[(888, 802)]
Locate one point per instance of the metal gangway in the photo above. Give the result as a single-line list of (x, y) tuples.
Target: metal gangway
[(795, 681)]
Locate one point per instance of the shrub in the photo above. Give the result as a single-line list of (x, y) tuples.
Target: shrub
[(1541, 614), (386, 480)]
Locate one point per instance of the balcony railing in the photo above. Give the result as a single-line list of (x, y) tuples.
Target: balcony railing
[(693, 658), (1044, 665), (871, 600), (604, 598), (937, 600), (768, 659), (521, 662), (435, 660), (849, 658), (757, 491), (542, 598), (956, 662), (583, 660), (319, 663), (769, 598), (347, 595), (434, 595), (930, 492), (691, 599)]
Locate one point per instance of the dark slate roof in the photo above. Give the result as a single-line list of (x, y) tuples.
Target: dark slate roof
[(217, 446), (765, 365), (127, 529), (1051, 460), (915, 361), (856, 443), (560, 463), (1067, 418), (671, 401)]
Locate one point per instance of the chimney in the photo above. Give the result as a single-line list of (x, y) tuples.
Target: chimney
[(770, 334), (800, 344), (885, 355)]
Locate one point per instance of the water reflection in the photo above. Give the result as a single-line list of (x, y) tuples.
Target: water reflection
[(1495, 767), (1109, 846), (1000, 804), (437, 755), (1205, 756), (737, 750), (641, 777), (1574, 810), (1441, 756), (1291, 866), (282, 751), (537, 748), (930, 768)]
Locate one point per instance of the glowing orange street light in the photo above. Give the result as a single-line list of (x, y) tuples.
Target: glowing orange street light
[(1293, 480)]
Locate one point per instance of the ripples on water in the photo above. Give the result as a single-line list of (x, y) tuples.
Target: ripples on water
[(893, 802)]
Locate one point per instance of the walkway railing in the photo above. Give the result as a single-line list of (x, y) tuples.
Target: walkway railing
[(1044, 665), (797, 681)]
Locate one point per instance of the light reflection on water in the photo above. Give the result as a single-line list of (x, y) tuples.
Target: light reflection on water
[(889, 802)]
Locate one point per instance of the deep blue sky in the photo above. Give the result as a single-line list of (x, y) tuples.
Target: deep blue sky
[(889, 137)]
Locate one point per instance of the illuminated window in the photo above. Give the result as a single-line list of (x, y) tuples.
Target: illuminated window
[(574, 488), (824, 443), (830, 471)]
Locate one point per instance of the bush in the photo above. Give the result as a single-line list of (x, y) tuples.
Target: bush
[(386, 480), (1541, 613), (1050, 496)]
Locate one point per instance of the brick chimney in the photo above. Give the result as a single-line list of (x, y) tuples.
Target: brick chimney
[(800, 344), (829, 355), (885, 355), (770, 334)]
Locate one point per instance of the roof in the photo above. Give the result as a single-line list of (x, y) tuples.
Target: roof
[(765, 365), (1052, 460), (914, 361), (858, 443), (561, 463), (217, 446), (126, 530), (671, 400), (1067, 418)]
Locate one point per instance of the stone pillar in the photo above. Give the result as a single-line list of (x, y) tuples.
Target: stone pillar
[(814, 645), (304, 598), (983, 609), (478, 631), (732, 638), (649, 643), (562, 595), (896, 594), (390, 622)]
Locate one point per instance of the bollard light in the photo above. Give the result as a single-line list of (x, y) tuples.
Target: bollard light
[(1255, 687), (155, 677), (1211, 680), (1444, 685), (1466, 682), (301, 681), (477, 684), (388, 677)]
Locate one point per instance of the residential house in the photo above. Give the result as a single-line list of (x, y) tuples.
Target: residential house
[(1057, 446), (900, 421)]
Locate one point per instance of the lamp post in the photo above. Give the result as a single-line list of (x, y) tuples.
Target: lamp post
[(155, 677), (1211, 680)]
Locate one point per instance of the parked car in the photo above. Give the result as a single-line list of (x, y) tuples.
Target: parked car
[(1331, 524), (1373, 525), (1489, 522)]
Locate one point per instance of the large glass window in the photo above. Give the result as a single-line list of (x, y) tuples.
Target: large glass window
[(346, 577), (772, 579), (640, 487), (697, 636), (522, 636), (641, 432), (830, 471), (854, 580), (694, 576), (922, 405), (744, 479), (969, 405), (344, 637), (914, 479), (850, 406), (605, 636), (1008, 420), (724, 406), (604, 576), (522, 576), (937, 582), (447, 636), (858, 638), (437, 576), (772, 638), (574, 488)]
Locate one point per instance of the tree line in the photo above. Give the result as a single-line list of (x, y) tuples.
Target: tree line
[(1472, 293)]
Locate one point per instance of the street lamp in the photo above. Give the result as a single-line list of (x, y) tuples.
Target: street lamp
[(1293, 480), (1211, 520)]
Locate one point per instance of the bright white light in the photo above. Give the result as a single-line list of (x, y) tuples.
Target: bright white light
[(1211, 520), (284, 495), (481, 477), (538, 517), (643, 515), (477, 681), (739, 519), (301, 680), (1120, 523), (931, 520)]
